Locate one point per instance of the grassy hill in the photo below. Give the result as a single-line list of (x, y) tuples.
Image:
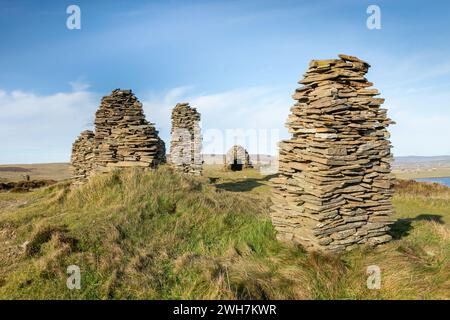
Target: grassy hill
[(37, 171), (160, 235)]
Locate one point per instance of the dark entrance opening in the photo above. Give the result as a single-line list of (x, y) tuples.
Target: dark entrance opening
[(236, 166)]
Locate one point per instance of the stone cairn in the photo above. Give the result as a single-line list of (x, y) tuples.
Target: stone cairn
[(186, 144), (122, 138), (237, 158), (334, 187), (82, 156)]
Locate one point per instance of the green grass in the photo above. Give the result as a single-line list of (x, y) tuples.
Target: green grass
[(248, 180), (159, 235)]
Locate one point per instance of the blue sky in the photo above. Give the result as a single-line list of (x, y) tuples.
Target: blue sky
[(237, 61)]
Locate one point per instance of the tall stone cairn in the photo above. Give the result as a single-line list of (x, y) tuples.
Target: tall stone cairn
[(82, 157), (334, 188), (186, 140), (122, 138), (240, 155)]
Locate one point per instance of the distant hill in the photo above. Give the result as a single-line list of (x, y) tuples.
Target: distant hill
[(421, 159), (16, 172), (412, 167), (418, 166)]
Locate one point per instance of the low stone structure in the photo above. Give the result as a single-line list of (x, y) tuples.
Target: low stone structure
[(237, 158), (255, 159), (334, 188), (186, 140), (122, 138), (82, 156)]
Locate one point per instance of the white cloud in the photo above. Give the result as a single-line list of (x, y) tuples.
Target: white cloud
[(415, 134), (42, 128), (37, 128), (79, 85), (421, 129), (422, 117), (244, 112)]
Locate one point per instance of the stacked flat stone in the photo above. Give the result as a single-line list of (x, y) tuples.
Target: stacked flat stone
[(237, 155), (122, 138), (334, 189), (82, 157), (186, 140)]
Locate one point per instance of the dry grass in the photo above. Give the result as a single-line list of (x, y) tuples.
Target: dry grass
[(159, 235), (414, 189)]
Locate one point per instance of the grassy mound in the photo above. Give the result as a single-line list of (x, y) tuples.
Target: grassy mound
[(159, 235)]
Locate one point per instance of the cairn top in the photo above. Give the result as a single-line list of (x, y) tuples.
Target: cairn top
[(348, 68), (122, 91), (183, 112), (334, 188), (343, 58)]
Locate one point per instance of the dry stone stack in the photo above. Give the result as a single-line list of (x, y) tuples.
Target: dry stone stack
[(237, 158), (122, 138), (334, 187), (82, 156), (186, 142)]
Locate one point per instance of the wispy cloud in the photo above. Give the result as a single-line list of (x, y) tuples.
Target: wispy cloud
[(79, 85), (418, 135), (234, 114), (39, 128)]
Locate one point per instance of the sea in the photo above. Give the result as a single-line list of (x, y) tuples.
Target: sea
[(445, 180)]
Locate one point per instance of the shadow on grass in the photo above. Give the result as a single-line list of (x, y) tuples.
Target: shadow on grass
[(244, 185), (402, 227)]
